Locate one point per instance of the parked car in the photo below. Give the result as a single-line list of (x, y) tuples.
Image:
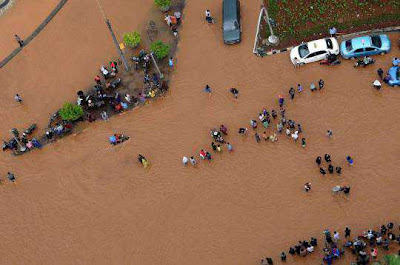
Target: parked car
[(314, 51), (365, 46), (231, 27), (394, 74)]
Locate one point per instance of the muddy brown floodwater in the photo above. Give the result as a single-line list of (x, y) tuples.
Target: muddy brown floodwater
[(81, 201)]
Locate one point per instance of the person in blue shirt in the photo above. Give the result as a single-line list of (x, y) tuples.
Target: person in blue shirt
[(350, 160), (332, 32), (113, 139), (207, 89), (396, 61)]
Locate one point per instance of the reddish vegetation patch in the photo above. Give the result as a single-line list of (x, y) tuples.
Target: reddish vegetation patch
[(302, 20)]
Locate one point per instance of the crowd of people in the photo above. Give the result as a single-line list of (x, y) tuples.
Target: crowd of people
[(173, 22), (103, 100), (266, 118), (365, 246), (332, 169), (21, 143), (105, 94), (217, 146)]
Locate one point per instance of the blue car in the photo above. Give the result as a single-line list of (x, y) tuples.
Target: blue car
[(394, 74), (365, 46)]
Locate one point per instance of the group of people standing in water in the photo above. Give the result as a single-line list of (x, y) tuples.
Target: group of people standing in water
[(292, 129), (266, 118), (331, 170), (365, 246), (216, 145)]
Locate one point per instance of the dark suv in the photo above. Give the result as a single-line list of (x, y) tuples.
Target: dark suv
[(231, 28)]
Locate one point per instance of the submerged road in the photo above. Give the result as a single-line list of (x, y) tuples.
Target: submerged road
[(81, 201)]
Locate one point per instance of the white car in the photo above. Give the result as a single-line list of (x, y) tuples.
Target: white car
[(313, 51)]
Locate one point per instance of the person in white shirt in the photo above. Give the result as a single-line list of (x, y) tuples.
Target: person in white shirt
[(295, 135), (178, 16), (128, 98), (185, 160), (209, 19), (310, 249), (104, 116), (370, 235), (18, 98), (168, 20), (336, 237), (377, 84), (103, 70)]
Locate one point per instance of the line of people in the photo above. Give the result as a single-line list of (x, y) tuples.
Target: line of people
[(334, 248)]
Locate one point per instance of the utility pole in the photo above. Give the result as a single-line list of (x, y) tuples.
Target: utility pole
[(273, 39), (158, 69), (113, 37)]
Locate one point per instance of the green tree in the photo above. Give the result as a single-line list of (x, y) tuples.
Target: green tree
[(160, 49), (392, 259), (163, 3), (71, 112), (132, 39)]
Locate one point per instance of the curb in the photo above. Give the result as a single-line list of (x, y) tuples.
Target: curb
[(34, 33), (272, 52), (4, 3), (350, 35), (342, 37)]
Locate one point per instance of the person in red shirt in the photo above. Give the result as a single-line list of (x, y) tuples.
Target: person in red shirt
[(202, 154), (97, 79), (118, 107)]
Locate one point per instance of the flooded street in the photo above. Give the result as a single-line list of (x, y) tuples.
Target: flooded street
[(81, 201)]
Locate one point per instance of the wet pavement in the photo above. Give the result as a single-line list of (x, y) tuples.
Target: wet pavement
[(81, 201)]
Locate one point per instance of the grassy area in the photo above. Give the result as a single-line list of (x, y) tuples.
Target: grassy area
[(299, 20), (392, 260)]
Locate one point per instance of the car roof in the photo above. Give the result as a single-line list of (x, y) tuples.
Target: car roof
[(393, 69), (317, 45), (230, 7), (360, 42)]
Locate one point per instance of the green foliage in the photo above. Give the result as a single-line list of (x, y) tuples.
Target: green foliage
[(71, 112), (273, 8), (392, 259), (160, 49), (132, 39), (162, 3)]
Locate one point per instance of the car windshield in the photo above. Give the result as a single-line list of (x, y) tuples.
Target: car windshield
[(329, 44), (348, 45), (376, 41), (398, 73), (303, 50), (231, 25)]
